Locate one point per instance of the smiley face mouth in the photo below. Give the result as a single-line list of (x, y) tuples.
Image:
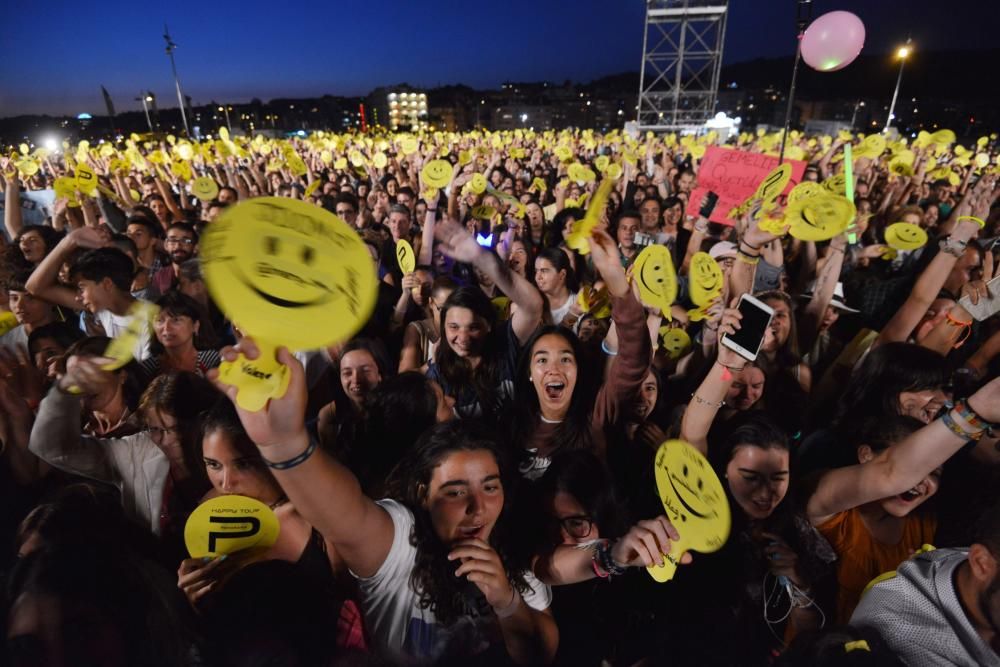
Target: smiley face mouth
[(269, 270), (683, 502)]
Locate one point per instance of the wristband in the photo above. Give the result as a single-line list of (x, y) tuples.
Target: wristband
[(511, 608), (711, 404), (602, 557), (953, 247), (295, 460), (949, 421), (970, 416), (752, 260), (967, 326), (752, 247)]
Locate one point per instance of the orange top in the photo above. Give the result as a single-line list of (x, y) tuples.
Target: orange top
[(861, 558)]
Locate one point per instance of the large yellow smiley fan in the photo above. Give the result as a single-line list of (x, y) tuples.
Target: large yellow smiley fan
[(694, 502), (705, 282), (287, 273)]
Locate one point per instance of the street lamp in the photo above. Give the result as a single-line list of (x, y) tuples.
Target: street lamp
[(902, 53), (146, 98), (225, 110)]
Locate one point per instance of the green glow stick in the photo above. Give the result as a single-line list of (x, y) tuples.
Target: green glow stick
[(852, 238)]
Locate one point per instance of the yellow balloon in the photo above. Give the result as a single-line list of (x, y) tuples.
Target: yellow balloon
[(379, 160), (695, 503), (409, 146)]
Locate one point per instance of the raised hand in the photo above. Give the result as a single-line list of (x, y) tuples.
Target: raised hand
[(482, 566), (456, 242), (282, 420), (646, 543)]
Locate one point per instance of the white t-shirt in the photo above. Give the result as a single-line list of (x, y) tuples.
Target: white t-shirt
[(404, 631), (116, 325), (559, 314), (15, 338)]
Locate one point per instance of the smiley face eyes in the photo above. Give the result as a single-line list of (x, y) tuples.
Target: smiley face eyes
[(272, 246)]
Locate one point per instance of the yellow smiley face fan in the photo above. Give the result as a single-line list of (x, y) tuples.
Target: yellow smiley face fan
[(288, 273)]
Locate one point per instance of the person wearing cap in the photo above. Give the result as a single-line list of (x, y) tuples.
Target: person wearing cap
[(826, 347)]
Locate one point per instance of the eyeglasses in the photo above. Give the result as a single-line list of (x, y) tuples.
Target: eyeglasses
[(578, 527), (156, 433), (183, 241)]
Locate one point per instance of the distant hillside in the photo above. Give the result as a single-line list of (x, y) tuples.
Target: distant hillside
[(962, 75)]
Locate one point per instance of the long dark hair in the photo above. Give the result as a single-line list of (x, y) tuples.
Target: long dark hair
[(456, 371), (582, 475), (399, 411), (574, 432), (433, 576), (890, 369), (560, 262)]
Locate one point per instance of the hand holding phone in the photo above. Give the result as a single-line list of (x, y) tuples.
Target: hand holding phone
[(708, 204), (755, 318)]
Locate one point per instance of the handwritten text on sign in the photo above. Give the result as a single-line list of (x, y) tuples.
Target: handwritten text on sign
[(734, 175)]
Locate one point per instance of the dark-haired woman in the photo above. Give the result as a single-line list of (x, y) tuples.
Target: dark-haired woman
[(768, 580), (174, 349), (474, 363), (554, 405), (555, 278), (234, 466), (435, 575)]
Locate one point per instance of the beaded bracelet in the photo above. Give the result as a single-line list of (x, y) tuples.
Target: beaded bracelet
[(970, 416), (949, 421), (602, 557), (294, 461), (698, 399)]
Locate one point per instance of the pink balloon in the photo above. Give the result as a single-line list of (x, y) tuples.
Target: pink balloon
[(833, 41)]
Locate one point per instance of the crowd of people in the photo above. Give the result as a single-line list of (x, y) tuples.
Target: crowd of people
[(470, 476)]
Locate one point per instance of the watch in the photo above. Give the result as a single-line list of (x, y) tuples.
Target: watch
[(953, 247)]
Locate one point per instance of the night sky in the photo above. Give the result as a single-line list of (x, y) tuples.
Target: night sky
[(54, 58)]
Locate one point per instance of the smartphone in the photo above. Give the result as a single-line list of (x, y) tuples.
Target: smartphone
[(986, 308), (708, 204), (642, 240), (747, 340)]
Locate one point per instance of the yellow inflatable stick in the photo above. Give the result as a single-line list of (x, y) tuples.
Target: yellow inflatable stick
[(579, 236), (695, 504)]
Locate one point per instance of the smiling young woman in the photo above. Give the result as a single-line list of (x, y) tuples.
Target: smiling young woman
[(555, 407), (434, 562)]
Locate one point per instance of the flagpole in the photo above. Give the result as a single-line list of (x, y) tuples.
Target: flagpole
[(173, 66)]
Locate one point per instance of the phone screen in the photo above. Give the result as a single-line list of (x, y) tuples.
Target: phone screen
[(752, 326)]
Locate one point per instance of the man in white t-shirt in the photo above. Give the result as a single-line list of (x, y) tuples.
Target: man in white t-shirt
[(103, 278)]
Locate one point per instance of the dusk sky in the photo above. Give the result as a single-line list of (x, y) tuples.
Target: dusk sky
[(54, 58)]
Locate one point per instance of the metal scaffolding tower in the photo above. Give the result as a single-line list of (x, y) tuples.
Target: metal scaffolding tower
[(681, 59)]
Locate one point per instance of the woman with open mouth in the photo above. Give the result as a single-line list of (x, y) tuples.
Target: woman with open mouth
[(555, 406)]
